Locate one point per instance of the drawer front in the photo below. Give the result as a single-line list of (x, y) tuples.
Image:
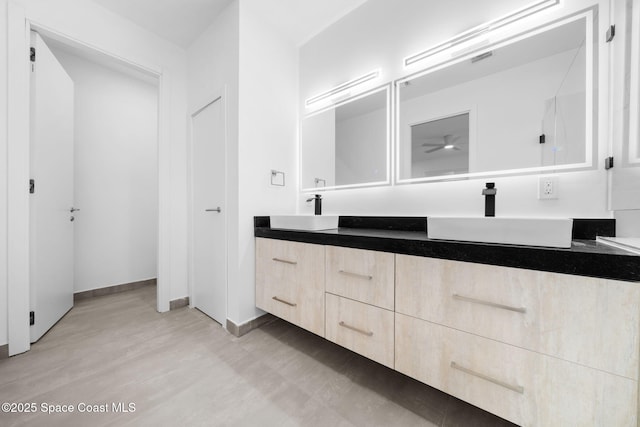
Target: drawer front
[(521, 386), (362, 328), (290, 282), (585, 320), (366, 276)]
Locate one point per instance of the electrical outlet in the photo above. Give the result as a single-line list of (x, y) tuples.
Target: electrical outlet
[(548, 188)]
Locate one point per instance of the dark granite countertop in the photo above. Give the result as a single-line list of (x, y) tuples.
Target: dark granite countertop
[(586, 257)]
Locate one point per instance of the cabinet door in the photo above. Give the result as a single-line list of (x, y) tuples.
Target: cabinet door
[(290, 282), (363, 328), (366, 276), (519, 385), (580, 319)]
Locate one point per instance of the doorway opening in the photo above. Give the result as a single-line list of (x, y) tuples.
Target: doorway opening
[(103, 234)]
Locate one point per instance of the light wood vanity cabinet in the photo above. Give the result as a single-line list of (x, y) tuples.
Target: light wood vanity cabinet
[(290, 282), (363, 328), (522, 386), (533, 347), (366, 276), (584, 320), (360, 300)]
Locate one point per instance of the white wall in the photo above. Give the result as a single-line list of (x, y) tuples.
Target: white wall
[(213, 69), (115, 175), (97, 27), (258, 68), (3, 176), (267, 140), (378, 35)]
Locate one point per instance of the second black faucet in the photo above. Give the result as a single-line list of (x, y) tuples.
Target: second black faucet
[(489, 194), (317, 204)]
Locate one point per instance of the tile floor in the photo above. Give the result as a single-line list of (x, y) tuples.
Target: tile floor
[(181, 368)]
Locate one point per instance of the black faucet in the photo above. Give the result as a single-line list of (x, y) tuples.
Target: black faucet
[(489, 194), (317, 204)]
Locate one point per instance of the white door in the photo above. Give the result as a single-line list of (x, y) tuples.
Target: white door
[(51, 226), (209, 256)]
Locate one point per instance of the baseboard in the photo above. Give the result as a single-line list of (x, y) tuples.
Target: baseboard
[(178, 303), (4, 351), (78, 296), (240, 330)]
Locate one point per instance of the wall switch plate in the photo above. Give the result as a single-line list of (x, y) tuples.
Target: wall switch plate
[(548, 188)]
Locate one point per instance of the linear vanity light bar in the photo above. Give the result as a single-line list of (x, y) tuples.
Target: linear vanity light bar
[(344, 86), (474, 32)]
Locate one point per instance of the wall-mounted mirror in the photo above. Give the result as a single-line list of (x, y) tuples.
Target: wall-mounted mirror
[(347, 145), (524, 104)]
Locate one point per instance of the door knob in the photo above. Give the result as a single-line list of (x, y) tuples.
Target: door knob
[(214, 210), (72, 210)]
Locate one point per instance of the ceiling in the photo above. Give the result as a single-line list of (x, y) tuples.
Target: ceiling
[(182, 21)]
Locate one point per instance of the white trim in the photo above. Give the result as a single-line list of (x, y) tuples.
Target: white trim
[(17, 178), (91, 49), (218, 96), (19, 27), (163, 297)]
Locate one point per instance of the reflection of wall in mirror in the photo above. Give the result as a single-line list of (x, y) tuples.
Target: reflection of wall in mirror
[(510, 107), (318, 150), (361, 148), (565, 118)]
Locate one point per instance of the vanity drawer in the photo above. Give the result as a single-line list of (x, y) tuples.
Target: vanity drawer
[(519, 385), (362, 328), (366, 276), (290, 282), (585, 320)]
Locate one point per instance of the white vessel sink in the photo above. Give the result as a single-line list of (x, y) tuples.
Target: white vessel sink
[(549, 232), (304, 222)]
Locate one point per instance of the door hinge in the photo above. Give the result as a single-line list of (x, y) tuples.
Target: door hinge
[(32, 54), (32, 186), (32, 318), (608, 163), (611, 33)]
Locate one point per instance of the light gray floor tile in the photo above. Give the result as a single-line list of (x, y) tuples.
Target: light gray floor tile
[(181, 368)]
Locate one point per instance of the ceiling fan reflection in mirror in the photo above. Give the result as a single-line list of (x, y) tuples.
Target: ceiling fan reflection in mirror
[(448, 143)]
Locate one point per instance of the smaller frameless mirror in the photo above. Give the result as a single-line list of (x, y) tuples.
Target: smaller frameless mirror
[(347, 145)]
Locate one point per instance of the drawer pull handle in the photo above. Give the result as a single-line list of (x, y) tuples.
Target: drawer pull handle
[(353, 328), (516, 388), (489, 303), (290, 304), (349, 273), (284, 261)]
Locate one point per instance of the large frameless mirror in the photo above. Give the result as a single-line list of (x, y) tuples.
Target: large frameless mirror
[(524, 104), (347, 145)]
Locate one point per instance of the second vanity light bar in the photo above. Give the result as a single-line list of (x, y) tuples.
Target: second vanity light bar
[(344, 86), (474, 32)]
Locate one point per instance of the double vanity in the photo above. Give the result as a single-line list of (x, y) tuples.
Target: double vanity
[(537, 335)]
